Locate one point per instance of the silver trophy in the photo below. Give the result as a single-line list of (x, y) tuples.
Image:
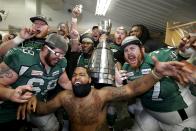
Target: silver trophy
[(101, 65), (105, 26)]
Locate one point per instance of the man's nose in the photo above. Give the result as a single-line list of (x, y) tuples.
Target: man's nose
[(77, 77)]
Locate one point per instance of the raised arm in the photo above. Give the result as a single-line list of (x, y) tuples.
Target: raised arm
[(43, 108), (143, 84), (76, 11), (74, 34), (25, 33), (132, 89)]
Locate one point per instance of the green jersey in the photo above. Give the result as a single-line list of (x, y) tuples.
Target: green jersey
[(26, 63), (83, 60), (35, 43), (117, 52), (166, 94), (115, 48)]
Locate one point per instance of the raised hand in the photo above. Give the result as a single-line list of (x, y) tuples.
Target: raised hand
[(120, 76), (188, 41), (190, 73), (27, 33), (167, 68), (187, 46), (76, 11), (174, 69)]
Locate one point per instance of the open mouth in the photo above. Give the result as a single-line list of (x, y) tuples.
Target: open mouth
[(95, 36), (132, 59), (56, 61), (38, 31), (119, 38), (77, 83)]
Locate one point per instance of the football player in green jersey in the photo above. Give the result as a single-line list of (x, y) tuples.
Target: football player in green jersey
[(42, 69), (28, 37), (116, 48), (166, 100), (87, 45)]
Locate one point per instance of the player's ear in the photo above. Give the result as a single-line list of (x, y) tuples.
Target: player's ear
[(143, 49), (89, 81), (44, 47)]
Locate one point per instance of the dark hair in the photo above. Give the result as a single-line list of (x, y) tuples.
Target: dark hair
[(87, 70), (95, 27), (145, 32)]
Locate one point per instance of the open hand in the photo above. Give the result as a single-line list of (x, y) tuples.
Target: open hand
[(77, 10), (25, 108), (27, 33), (176, 69), (190, 73)]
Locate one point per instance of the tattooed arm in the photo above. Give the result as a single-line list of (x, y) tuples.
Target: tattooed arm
[(7, 77), (132, 89), (42, 108), (140, 86), (50, 106)]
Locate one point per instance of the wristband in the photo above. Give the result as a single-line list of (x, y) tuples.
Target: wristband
[(17, 40), (155, 75)]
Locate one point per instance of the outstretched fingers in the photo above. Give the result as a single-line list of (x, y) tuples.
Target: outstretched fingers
[(177, 64), (21, 112)]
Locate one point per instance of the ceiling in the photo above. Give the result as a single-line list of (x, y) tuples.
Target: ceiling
[(152, 13)]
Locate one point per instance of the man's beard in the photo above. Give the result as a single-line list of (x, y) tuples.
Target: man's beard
[(81, 90), (47, 59), (139, 60)]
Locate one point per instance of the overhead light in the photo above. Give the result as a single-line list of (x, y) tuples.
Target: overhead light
[(102, 7)]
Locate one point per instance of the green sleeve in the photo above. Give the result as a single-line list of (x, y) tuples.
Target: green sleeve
[(12, 59), (63, 63), (163, 55)]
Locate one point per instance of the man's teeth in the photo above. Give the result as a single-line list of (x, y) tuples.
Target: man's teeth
[(131, 57), (77, 82)]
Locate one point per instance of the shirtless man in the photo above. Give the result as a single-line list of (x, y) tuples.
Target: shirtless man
[(87, 106)]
